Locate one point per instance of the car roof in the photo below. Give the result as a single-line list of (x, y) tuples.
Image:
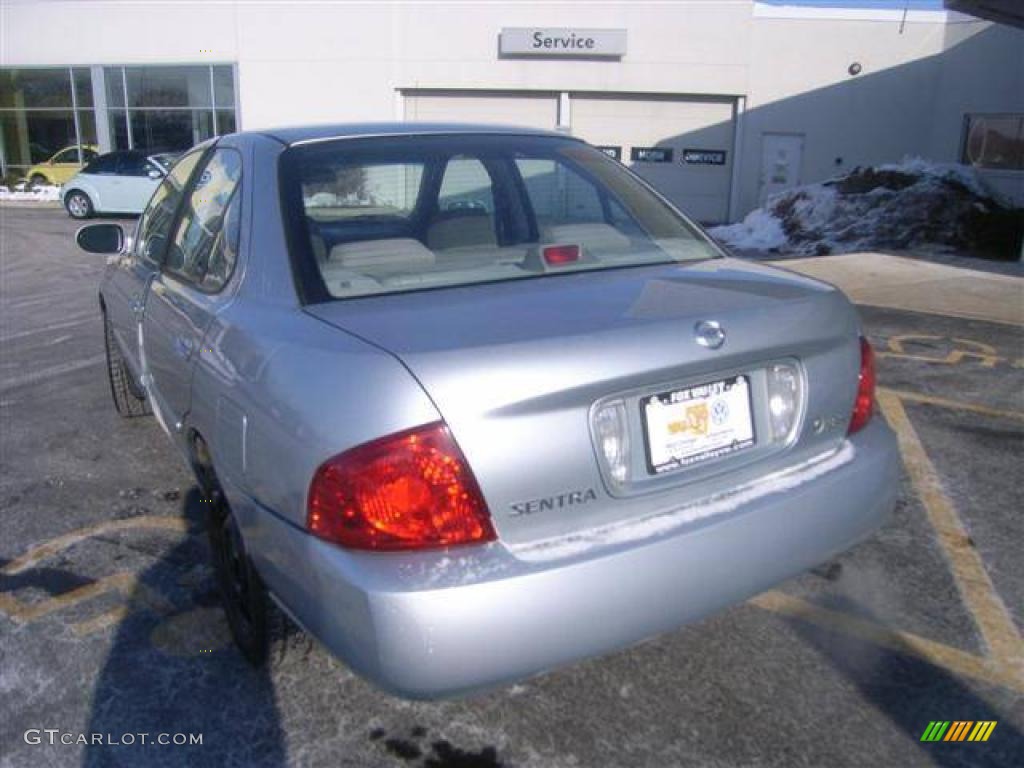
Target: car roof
[(135, 153), (312, 133)]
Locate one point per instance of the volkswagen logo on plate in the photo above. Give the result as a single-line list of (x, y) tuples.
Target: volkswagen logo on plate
[(709, 334)]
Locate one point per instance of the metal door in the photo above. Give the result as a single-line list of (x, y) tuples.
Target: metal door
[(781, 159)]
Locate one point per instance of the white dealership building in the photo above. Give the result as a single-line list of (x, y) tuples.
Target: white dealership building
[(717, 103)]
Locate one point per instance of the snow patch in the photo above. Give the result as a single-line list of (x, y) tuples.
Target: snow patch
[(666, 522), (760, 230), (41, 193)]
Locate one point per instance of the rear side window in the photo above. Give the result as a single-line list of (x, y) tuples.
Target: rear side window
[(205, 244), (387, 215), (337, 190), (558, 194)]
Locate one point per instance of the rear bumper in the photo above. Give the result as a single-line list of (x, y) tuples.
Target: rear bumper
[(438, 624)]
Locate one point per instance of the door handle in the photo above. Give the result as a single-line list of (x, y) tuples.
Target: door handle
[(184, 346)]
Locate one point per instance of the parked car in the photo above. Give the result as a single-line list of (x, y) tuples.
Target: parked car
[(117, 182), (472, 403), (61, 167)]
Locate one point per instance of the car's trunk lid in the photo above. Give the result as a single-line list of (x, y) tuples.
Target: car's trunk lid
[(516, 368)]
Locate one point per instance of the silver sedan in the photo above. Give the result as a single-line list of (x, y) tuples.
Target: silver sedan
[(471, 403)]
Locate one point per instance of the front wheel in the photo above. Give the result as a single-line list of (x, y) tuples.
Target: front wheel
[(79, 205), (38, 180), (128, 400)]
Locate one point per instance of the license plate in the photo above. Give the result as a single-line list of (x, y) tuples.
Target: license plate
[(696, 424)]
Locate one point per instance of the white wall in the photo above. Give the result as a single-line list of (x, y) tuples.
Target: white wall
[(318, 62)]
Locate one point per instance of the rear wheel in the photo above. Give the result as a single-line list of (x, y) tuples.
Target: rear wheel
[(260, 629), (38, 180), (129, 401), (79, 205)]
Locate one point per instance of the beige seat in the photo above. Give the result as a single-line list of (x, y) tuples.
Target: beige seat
[(374, 255), (461, 231)]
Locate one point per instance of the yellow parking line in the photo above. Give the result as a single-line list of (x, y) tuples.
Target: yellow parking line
[(935, 653), (53, 546), (106, 619), (917, 397), (125, 583), (24, 612), (979, 594)]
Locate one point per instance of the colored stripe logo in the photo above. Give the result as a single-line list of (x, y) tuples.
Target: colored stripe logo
[(959, 730)]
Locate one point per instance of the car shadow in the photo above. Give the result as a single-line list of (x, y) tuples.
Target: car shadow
[(911, 693), (173, 669)]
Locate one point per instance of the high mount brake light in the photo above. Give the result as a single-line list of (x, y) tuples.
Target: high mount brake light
[(864, 404), (407, 491), (557, 255)]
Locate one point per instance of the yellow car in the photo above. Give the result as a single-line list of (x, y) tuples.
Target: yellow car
[(61, 167)]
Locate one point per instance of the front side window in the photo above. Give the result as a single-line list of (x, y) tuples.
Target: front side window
[(155, 223), (133, 165), (386, 215), (103, 165), (67, 156), (205, 243)]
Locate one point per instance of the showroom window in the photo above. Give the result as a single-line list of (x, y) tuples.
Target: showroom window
[(994, 141), (169, 108), (159, 108), (43, 111)]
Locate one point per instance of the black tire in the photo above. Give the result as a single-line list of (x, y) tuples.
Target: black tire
[(78, 205), (261, 630), (37, 180), (128, 400)]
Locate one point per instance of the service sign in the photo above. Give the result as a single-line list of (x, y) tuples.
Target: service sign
[(704, 156), (567, 42)]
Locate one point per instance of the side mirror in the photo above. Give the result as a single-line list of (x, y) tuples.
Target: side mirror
[(100, 238), (153, 173)]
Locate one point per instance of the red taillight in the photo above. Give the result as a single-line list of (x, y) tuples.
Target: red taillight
[(561, 254), (864, 405), (410, 490)]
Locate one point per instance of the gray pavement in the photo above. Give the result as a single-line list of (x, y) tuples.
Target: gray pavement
[(109, 621)]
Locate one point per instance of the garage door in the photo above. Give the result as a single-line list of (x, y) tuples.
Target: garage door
[(683, 147), (528, 110)]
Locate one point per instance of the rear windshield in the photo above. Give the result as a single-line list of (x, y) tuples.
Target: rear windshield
[(375, 216)]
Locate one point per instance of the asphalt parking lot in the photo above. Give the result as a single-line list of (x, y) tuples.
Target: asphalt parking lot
[(109, 620)]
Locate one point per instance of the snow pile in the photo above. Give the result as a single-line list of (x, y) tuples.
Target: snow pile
[(905, 205), (760, 230), (40, 193)]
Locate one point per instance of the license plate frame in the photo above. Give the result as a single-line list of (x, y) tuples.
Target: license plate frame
[(674, 421)]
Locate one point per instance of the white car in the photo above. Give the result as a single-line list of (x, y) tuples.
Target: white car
[(117, 182)]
